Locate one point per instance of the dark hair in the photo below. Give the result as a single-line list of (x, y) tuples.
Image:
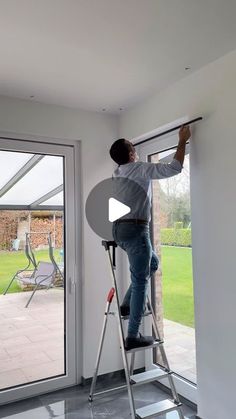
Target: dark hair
[(120, 150)]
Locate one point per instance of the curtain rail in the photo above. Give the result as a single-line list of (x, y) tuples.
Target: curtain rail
[(168, 131)]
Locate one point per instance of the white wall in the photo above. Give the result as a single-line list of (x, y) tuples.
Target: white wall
[(211, 93), (96, 132)]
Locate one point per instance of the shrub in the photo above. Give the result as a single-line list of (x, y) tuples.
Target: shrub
[(176, 237), (179, 224)]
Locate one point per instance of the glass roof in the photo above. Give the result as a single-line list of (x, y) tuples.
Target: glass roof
[(55, 200), (10, 163), (30, 181)]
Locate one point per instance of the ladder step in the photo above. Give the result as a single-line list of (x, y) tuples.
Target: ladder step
[(147, 313), (148, 376), (171, 415), (142, 348), (156, 409)]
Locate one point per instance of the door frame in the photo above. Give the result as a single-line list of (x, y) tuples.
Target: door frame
[(183, 387), (70, 150)]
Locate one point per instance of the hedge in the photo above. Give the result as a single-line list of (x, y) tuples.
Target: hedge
[(179, 224), (176, 237)]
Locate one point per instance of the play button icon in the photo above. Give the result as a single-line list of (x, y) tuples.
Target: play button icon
[(117, 209), (110, 200)]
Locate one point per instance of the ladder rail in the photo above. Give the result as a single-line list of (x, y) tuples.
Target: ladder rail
[(99, 353), (132, 361), (121, 335)]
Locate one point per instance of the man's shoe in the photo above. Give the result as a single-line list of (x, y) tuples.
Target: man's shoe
[(124, 310), (139, 342)]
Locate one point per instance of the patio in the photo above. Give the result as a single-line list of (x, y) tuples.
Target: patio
[(32, 339), (180, 349)]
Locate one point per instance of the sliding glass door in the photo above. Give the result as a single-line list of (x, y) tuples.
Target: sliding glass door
[(37, 268)]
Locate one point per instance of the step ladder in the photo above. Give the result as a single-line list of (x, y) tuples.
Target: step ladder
[(171, 408)]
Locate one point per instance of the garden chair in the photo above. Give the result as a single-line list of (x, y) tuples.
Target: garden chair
[(31, 267), (44, 275)]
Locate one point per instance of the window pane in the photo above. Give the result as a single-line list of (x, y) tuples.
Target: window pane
[(55, 200), (32, 330), (173, 281), (10, 163), (41, 179)]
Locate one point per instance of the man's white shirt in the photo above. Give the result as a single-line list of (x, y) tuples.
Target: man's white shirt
[(143, 173)]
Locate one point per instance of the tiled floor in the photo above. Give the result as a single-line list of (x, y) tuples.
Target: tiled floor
[(72, 403), (32, 339)]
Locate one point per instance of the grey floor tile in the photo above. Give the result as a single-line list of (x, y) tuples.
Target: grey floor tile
[(72, 403)]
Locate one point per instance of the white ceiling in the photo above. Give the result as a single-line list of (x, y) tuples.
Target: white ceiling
[(111, 54)]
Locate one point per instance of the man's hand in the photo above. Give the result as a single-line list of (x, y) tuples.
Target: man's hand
[(184, 134)]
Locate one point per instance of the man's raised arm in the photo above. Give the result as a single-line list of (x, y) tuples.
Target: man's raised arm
[(184, 135), (164, 170)]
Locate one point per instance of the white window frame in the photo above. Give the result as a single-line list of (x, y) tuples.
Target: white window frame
[(184, 387), (70, 150)]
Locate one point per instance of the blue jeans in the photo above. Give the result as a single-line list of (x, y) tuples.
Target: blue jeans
[(135, 240)]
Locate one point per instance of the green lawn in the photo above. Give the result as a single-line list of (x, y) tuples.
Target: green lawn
[(177, 279), (178, 284), (10, 262)]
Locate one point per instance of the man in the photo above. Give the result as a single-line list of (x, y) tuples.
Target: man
[(131, 232)]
